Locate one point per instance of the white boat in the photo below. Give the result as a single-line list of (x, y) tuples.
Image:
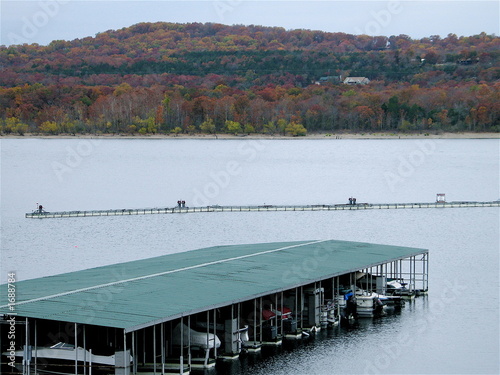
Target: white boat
[(66, 353), (201, 340), (241, 334), (244, 337), (368, 304), (396, 288)]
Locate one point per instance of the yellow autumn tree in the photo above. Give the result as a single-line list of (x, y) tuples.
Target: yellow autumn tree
[(49, 127)]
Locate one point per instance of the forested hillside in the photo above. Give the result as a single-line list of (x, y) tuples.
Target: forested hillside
[(173, 78)]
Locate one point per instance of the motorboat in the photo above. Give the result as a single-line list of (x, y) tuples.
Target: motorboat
[(283, 313), (368, 304), (64, 353), (244, 337), (398, 288), (201, 340)]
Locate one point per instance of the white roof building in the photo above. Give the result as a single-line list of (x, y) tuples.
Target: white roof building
[(356, 81)]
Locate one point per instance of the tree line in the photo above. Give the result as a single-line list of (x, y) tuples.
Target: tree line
[(273, 109), (211, 78)]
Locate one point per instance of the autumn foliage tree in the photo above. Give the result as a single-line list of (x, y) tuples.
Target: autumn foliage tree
[(161, 77)]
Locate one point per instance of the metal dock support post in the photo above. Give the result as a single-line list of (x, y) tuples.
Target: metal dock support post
[(76, 349), (26, 356), (181, 357), (133, 348), (162, 340), (154, 349), (84, 351), (36, 344), (126, 361), (215, 333)]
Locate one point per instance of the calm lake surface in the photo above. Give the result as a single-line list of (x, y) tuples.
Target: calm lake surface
[(453, 330)]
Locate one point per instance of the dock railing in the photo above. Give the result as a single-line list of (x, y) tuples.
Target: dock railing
[(215, 208)]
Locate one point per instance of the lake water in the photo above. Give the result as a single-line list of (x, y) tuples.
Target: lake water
[(455, 329)]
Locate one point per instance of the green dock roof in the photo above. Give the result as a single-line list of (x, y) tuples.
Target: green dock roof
[(138, 294)]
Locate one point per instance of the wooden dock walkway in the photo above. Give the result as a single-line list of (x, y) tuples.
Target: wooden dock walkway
[(318, 207)]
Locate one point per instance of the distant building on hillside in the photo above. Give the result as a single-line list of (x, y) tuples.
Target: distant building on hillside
[(356, 81), (328, 79), (468, 61)]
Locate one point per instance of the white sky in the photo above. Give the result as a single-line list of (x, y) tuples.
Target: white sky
[(46, 20)]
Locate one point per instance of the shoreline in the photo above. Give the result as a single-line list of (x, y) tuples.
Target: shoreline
[(334, 136)]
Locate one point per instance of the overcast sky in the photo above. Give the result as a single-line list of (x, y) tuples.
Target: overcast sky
[(46, 20)]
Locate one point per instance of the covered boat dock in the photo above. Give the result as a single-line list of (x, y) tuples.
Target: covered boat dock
[(179, 312)]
